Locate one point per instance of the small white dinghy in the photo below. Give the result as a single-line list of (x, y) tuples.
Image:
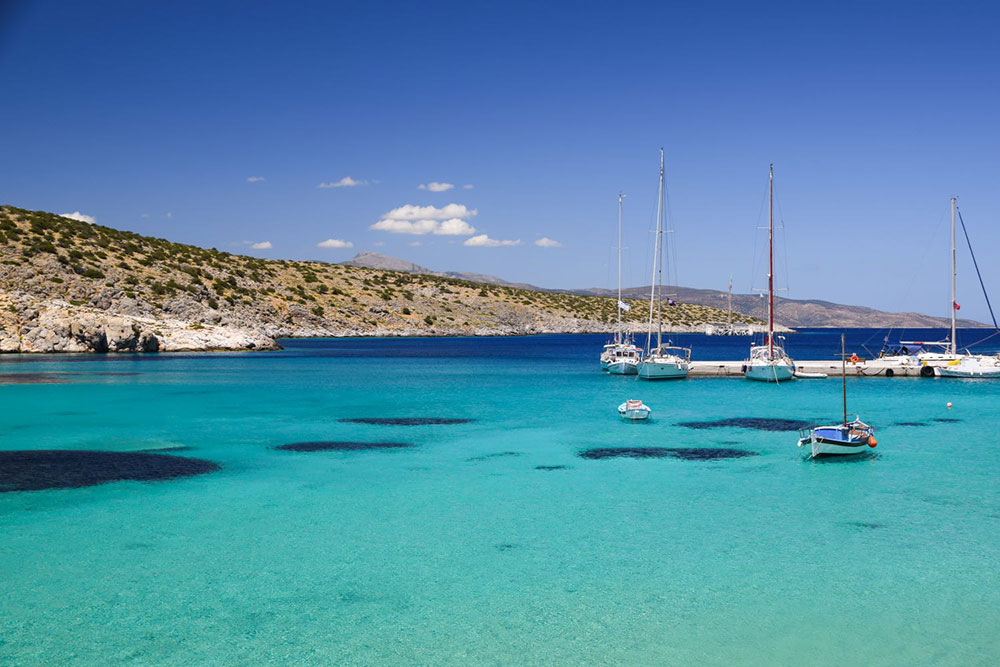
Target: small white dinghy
[(634, 410)]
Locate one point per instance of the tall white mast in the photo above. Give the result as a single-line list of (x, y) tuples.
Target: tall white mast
[(953, 273), (770, 269), (657, 259), (618, 336)]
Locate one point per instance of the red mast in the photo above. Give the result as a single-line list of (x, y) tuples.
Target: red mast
[(770, 265)]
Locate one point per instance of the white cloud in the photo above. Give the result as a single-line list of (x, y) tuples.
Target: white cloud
[(451, 227), (345, 182), (76, 215), (434, 186), (484, 241), (255, 179), (546, 242), (467, 186), (411, 212), (263, 245), (334, 243), (144, 215), (168, 214), (414, 243), (405, 226), (455, 227), (378, 244), (448, 220)]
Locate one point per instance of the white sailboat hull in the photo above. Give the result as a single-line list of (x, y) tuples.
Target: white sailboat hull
[(656, 369), (769, 371), (623, 367)]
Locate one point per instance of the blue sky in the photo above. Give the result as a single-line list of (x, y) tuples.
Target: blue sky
[(153, 116)]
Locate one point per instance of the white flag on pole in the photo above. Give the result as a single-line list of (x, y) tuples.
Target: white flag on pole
[(623, 306)]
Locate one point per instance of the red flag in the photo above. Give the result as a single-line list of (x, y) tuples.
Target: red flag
[(957, 307)]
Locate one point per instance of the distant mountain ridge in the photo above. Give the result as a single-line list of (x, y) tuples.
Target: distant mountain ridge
[(789, 312), (376, 260)]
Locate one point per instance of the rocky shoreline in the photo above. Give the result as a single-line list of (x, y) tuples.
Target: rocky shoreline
[(55, 326)]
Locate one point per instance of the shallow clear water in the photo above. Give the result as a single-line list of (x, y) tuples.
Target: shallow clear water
[(459, 550)]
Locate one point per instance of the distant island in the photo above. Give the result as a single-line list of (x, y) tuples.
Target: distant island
[(72, 286)]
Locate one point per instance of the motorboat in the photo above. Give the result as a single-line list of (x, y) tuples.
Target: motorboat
[(971, 366), (621, 358), (634, 410)]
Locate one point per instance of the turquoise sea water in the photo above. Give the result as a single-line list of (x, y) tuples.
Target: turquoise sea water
[(458, 550)]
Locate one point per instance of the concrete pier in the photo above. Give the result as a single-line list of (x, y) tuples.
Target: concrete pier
[(873, 368)]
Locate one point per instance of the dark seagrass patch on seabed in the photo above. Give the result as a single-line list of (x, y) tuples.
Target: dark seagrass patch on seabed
[(760, 424), (683, 453), (36, 470), (550, 468), (487, 457), (340, 446), (946, 420), (33, 378), (910, 424), (404, 421), (867, 525)]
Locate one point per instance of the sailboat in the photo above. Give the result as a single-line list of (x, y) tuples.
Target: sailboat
[(840, 439), (730, 328), (768, 362), (969, 365), (664, 361), (620, 357), (914, 357)]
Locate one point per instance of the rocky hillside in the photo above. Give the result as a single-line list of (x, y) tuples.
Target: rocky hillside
[(72, 286)]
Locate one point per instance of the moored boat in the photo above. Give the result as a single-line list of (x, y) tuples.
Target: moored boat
[(769, 362), (844, 439), (621, 356), (971, 366), (663, 362), (634, 410)]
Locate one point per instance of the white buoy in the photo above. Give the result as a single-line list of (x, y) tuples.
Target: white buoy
[(949, 404)]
